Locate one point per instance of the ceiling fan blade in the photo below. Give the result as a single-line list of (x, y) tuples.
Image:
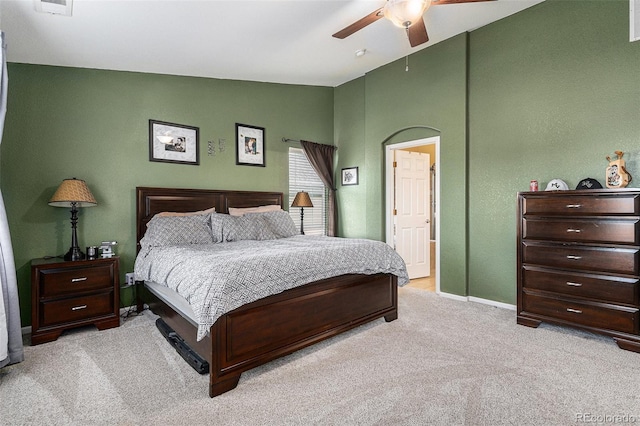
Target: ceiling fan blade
[(360, 24), (417, 33), (438, 2)]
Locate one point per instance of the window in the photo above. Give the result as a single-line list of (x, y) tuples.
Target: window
[(302, 177)]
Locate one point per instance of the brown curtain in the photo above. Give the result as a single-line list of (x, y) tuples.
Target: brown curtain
[(321, 159)]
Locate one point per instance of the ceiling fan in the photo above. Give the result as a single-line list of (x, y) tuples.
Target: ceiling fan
[(405, 14)]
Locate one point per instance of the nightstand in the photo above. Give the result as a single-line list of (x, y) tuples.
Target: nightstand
[(68, 294)]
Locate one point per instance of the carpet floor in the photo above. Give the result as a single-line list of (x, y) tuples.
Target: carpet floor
[(442, 362)]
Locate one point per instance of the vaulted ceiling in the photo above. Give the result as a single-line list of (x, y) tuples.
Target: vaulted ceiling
[(287, 41)]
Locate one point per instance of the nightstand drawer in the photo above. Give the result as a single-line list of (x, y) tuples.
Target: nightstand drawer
[(604, 288), (620, 231), (69, 294), (582, 204), (609, 259), (76, 280), (590, 315), (76, 309)]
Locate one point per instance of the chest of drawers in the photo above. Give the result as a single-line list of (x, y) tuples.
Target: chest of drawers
[(66, 295), (579, 261)]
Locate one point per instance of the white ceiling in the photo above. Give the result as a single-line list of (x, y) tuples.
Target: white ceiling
[(285, 41)]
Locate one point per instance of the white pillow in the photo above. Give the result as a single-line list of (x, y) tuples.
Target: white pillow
[(233, 211), (168, 214)]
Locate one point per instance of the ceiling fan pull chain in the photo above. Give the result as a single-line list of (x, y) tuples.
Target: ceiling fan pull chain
[(406, 58)]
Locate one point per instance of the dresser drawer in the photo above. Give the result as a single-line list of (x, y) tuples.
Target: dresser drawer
[(582, 204), (620, 231), (605, 288), (76, 309), (610, 259), (75, 280), (601, 316)]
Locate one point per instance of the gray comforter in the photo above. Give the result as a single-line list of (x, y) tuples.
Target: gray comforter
[(217, 278)]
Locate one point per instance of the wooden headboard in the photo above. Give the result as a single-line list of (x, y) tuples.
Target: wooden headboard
[(150, 201)]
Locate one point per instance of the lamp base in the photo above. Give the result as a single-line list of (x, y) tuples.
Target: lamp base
[(74, 254)]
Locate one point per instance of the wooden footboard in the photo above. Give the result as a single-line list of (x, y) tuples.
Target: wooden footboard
[(278, 325)]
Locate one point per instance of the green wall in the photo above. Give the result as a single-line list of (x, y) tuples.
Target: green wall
[(552, 92), (432, 93), (546, 93), (93, 125)]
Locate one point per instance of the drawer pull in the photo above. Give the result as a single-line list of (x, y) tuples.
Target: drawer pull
[(75, 280), (571, 257), (574, 284), (574, 206), (77, 308), (577, 231), (575, 311)]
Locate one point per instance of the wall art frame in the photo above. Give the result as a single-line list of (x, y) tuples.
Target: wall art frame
[(250, 145), (174, 143), (350, 176)]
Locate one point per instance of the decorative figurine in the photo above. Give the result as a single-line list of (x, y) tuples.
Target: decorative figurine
[(617, 175)]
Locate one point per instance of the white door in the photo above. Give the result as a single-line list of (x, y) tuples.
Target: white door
[(412, 208)]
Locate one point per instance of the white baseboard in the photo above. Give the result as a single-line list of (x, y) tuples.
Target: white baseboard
[(454, 297), (26, 330), (492, 303), (478, 300)]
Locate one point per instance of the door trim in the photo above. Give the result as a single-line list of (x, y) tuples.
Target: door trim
[(389, 192)]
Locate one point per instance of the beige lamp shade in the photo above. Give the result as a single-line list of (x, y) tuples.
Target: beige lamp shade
[(73, 191), (302, 200)]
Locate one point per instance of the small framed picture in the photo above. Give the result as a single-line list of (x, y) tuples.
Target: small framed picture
[(173, 143), (250, 146), (350, 176)]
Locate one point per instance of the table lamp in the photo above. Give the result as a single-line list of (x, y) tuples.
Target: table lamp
[(73, 193), (302, 200)]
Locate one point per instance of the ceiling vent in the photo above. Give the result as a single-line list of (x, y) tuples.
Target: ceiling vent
[(634, 16), (56, 7)]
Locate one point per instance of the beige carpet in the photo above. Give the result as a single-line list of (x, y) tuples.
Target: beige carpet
[(441, 362)]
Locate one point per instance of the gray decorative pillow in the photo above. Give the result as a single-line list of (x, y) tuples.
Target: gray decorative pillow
[(177, 230), (278, 222), (226, 228), (218, 223)]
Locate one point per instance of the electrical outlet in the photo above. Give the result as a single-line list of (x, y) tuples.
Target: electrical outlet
[(128, 278)]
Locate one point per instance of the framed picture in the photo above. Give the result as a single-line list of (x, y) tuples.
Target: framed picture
[(350, 176), (250, 149), (173, 143)]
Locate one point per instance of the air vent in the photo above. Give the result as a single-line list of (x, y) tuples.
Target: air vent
[(56, 7), (634, 17)]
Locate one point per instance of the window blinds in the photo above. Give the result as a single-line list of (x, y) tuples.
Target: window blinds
[(302, 177)]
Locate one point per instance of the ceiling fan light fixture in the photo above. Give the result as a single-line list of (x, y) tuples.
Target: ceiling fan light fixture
[(404, 13)]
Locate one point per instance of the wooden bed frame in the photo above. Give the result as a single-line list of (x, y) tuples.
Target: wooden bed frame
[(269, 328)]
